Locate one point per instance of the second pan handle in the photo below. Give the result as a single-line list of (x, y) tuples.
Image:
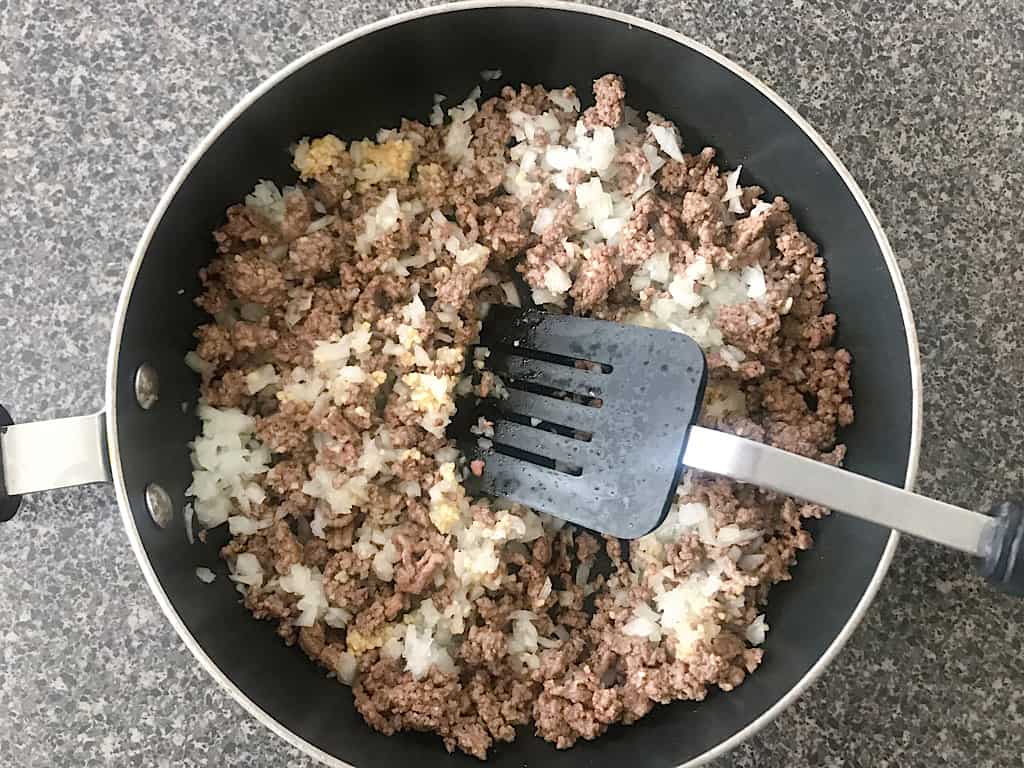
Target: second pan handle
[(44, 455), (8, 503)]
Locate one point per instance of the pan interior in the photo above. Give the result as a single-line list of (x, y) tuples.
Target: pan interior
[(371, 82)]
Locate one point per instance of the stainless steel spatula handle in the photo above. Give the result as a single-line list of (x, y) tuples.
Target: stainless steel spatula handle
[(997, 540)]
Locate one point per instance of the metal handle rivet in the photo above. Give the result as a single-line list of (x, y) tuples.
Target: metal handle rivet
[(147, 386), (159, 504)]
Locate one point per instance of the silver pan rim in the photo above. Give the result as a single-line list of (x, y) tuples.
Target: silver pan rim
[(896, 277)]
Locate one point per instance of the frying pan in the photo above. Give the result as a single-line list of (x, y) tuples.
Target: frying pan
[(369, 79)]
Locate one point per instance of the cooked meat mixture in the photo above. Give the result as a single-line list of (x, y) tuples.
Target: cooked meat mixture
[(343, 308)]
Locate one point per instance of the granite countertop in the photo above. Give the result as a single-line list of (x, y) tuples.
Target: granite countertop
[(102, 101)]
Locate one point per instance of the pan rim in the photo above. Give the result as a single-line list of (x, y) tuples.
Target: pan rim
[(238, 109)]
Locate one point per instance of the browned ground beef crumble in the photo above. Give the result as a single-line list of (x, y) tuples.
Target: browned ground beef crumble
[(279, 286)]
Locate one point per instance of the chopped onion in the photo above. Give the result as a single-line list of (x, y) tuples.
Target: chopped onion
[(733, 193), (667, 140)]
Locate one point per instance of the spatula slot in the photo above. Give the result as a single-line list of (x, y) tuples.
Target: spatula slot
[(553, 445), (565, 468), (547, 426), (536, 388), (555, 375), (567, 414), (579, 363)]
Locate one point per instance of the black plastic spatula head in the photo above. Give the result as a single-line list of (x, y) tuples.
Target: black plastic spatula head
[(595, 421)]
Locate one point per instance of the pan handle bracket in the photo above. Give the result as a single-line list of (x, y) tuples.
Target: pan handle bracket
[(44, 455)]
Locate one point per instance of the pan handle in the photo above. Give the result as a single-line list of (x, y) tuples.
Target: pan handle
[(1002, 555), (44, 455)]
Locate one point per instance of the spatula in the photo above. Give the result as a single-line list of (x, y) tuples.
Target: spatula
[(599, 423)]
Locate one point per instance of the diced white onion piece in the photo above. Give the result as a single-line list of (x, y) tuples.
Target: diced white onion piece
[(667, 140)]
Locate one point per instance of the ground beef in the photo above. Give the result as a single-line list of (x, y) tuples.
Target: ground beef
[(313, 255), (503, 229), (285, 430), (484, 646), (638, 240), (296, 217), (286, 476), (457, 287), (215, 343), (244, 228), (610, 93), (752, 327), (684, 556), (470, 617), (252, 337), (228, 391), (467, 717), (586, 547), (423, 554), (599, 274), (254, 278)]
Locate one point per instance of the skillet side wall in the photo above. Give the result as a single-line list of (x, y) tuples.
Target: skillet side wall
[(342, 92)]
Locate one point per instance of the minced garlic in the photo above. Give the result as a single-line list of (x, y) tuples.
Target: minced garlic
[(390, 161), (359, 643), (317, 157)]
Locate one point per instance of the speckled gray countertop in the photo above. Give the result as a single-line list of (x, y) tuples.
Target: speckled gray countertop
[(101, 101)]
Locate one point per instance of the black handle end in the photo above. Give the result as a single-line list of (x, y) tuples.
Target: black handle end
[(1002, 558), (8, 504)]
